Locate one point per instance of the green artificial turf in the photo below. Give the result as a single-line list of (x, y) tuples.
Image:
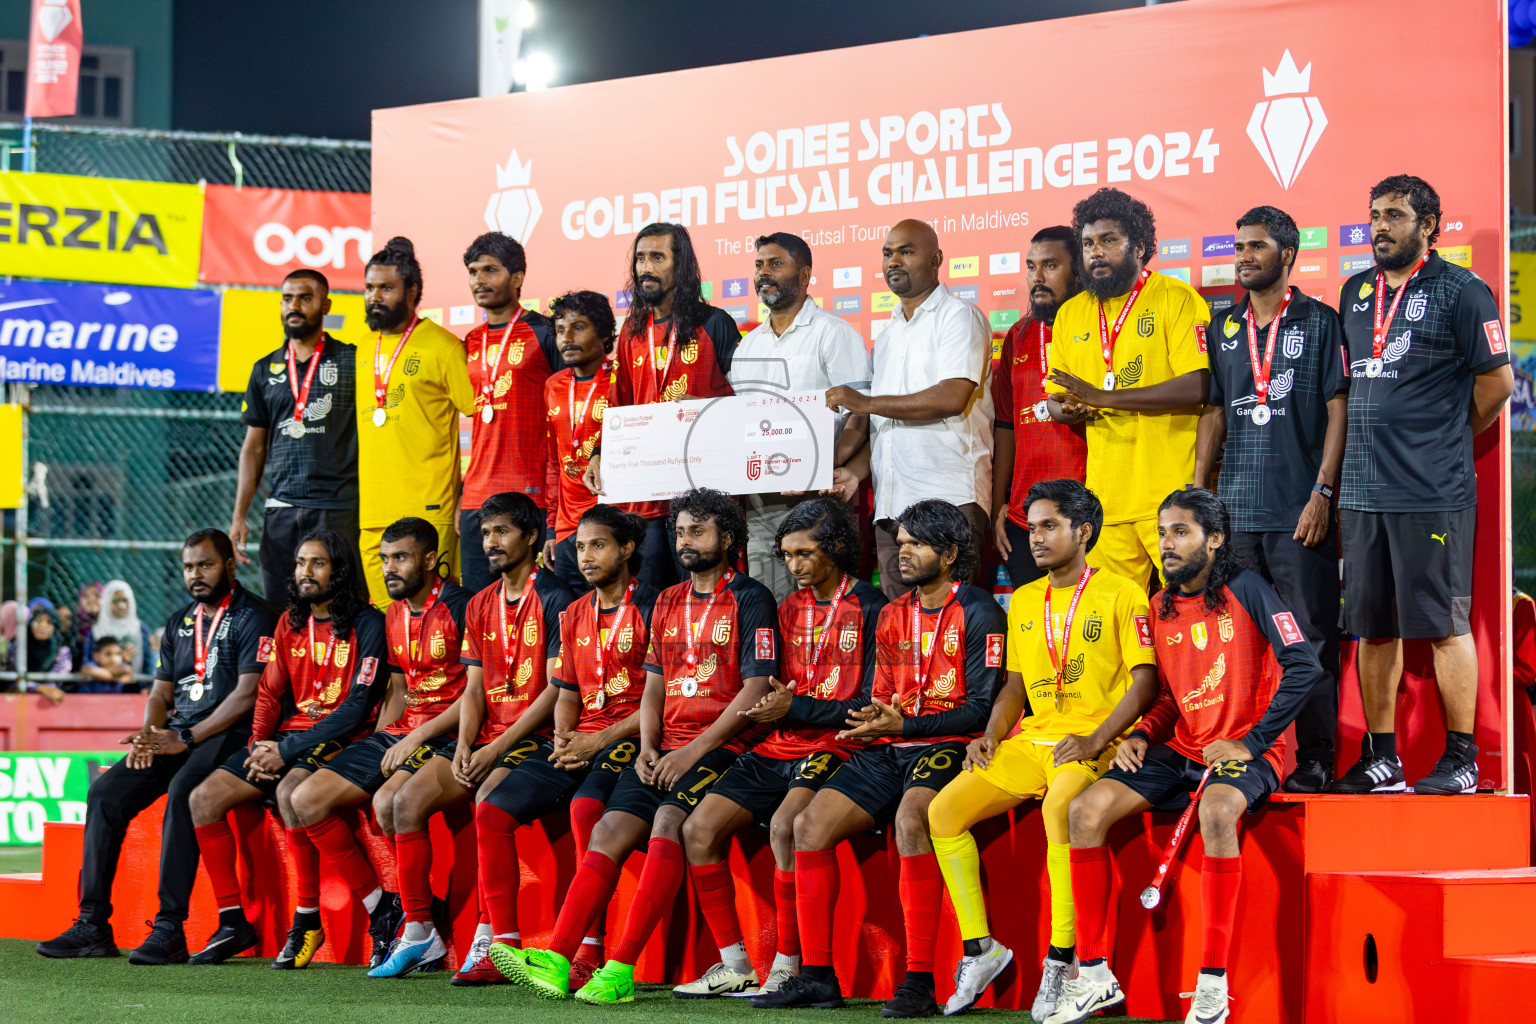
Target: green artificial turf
[(38, 991), (17, 860)]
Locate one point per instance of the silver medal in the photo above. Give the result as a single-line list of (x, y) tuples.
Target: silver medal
[(690, 687), (599, 698), (1042, 410), (487, 413), (1109, 381), (195, 694), (294, 429), (1373, 367), (379, 416), (1260, 415)]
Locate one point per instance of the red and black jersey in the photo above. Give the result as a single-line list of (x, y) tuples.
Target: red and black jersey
[(1042, 448), (507, 454), (574, 406), (324, 691), (945, 683), (425, 648), (513, 666), (736, 638), (844, 677), (625, 632), (1237, 673), (642, 373)]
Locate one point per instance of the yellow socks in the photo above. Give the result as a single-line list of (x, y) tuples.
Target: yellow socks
[(961, 865), (1059, 866)]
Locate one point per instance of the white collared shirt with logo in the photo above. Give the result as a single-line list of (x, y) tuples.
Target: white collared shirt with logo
[(951, 458), (820, 350)]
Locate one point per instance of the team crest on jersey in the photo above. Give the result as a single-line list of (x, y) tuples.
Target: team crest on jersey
[(927, 643), (1144, 630), (1230, 328), (412, 365), (1292, 342), (1224, 627), (343, 652), (722, 633), (598, 408), (1366, 289), (438, 646), (277, 368), (951, 642), (1414, 308), (765, 644), (1093, 627), (1144, 324), (515, 352), (1199, 635), (328, 375), (994, 650), (1290, 633), (626, 639), (530, 633), (690, 352), (847, 639)]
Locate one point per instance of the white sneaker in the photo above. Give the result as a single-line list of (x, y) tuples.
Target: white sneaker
[(479, 949), (719, 980), (1053, 975), (1210, 1005), (973, 974), (1094, 989), (777, 975)]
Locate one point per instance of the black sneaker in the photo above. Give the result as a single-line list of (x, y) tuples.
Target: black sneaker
[(912, 999), (1372, 774), (1310, 777), (230, 940), (1454, 774), (801, 990), (167, 944), (383, 923), (304, 939), (81, 939)]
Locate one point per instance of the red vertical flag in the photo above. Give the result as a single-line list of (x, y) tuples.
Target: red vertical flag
[(53, 63)]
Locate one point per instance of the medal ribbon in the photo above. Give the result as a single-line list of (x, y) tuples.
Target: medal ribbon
[(488, 373), (199, 649), (613, 630), (1261, 372), (725, 581), (301, 397), (508, 644), (410, 641), (381, 383), (1060, 664), (1107, 335), (650, 348), (324, 660), (820, 645), (577, 419), (925, 667), (1379, 334)]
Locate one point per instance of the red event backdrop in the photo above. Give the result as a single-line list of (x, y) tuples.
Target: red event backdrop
[(258, 235), (1204, 109)]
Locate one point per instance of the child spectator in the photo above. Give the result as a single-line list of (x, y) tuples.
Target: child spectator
[(107, 670)]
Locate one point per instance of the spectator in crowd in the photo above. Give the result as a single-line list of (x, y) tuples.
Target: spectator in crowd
[(119, 619), (87, 607), (1130, 362), (108, 670), (10, 623), (412, 385), (798, 347), (930, 407), (511, 355), (68, 635), (45, 649), (301, 425)]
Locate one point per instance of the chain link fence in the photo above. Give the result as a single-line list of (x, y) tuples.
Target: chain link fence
[(220, 158)]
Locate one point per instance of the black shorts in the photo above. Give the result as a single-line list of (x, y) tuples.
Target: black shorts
[(359, 763), (536, 787), (1167, 778), (632, 796), (442, 746), (759, 784), (876, 778), (1407, 574), (529, 748), (311, 760), (451, 748)]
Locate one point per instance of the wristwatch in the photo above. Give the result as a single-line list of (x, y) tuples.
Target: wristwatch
[(185, 732), (1324, 490)]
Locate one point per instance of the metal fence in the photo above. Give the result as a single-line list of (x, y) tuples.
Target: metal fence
[(221, 158)]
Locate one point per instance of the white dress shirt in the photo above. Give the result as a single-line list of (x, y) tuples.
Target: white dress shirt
[(820, 350), (946, 339)]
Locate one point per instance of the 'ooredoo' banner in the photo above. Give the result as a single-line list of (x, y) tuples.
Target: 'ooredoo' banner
[(258, 235)]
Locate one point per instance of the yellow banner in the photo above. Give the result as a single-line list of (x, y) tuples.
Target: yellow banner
[(100, 229), (1522, 278), (251, 326), (11, 471)]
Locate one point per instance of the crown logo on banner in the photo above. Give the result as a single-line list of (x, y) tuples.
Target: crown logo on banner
[(515, 208), (1286, 125)]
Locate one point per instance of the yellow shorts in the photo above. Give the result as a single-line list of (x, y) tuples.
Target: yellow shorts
[(1024, 769), (373, 565), (1128, 549)]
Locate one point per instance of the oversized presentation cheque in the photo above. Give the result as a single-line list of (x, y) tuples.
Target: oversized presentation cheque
[(756, 442)]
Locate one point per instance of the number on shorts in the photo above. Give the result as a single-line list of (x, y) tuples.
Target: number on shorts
[(619, 755), (691, 797), (934, 761)]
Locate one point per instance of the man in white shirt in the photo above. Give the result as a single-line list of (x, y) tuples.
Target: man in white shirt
[(930, 403), (799, 347)]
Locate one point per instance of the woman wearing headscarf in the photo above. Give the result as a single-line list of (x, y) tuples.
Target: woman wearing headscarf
[(87, 608), (119, 618), (45, 649)]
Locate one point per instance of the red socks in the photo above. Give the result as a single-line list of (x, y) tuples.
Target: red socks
[(789, 921), (717, 900), (658, 886), (922, 897), (306, 867), (217, 844), (589, 893), (585, 814), (413, 858), (345, 855), (1092, 877), (496, 843), (1220, 878), (816, 884)]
